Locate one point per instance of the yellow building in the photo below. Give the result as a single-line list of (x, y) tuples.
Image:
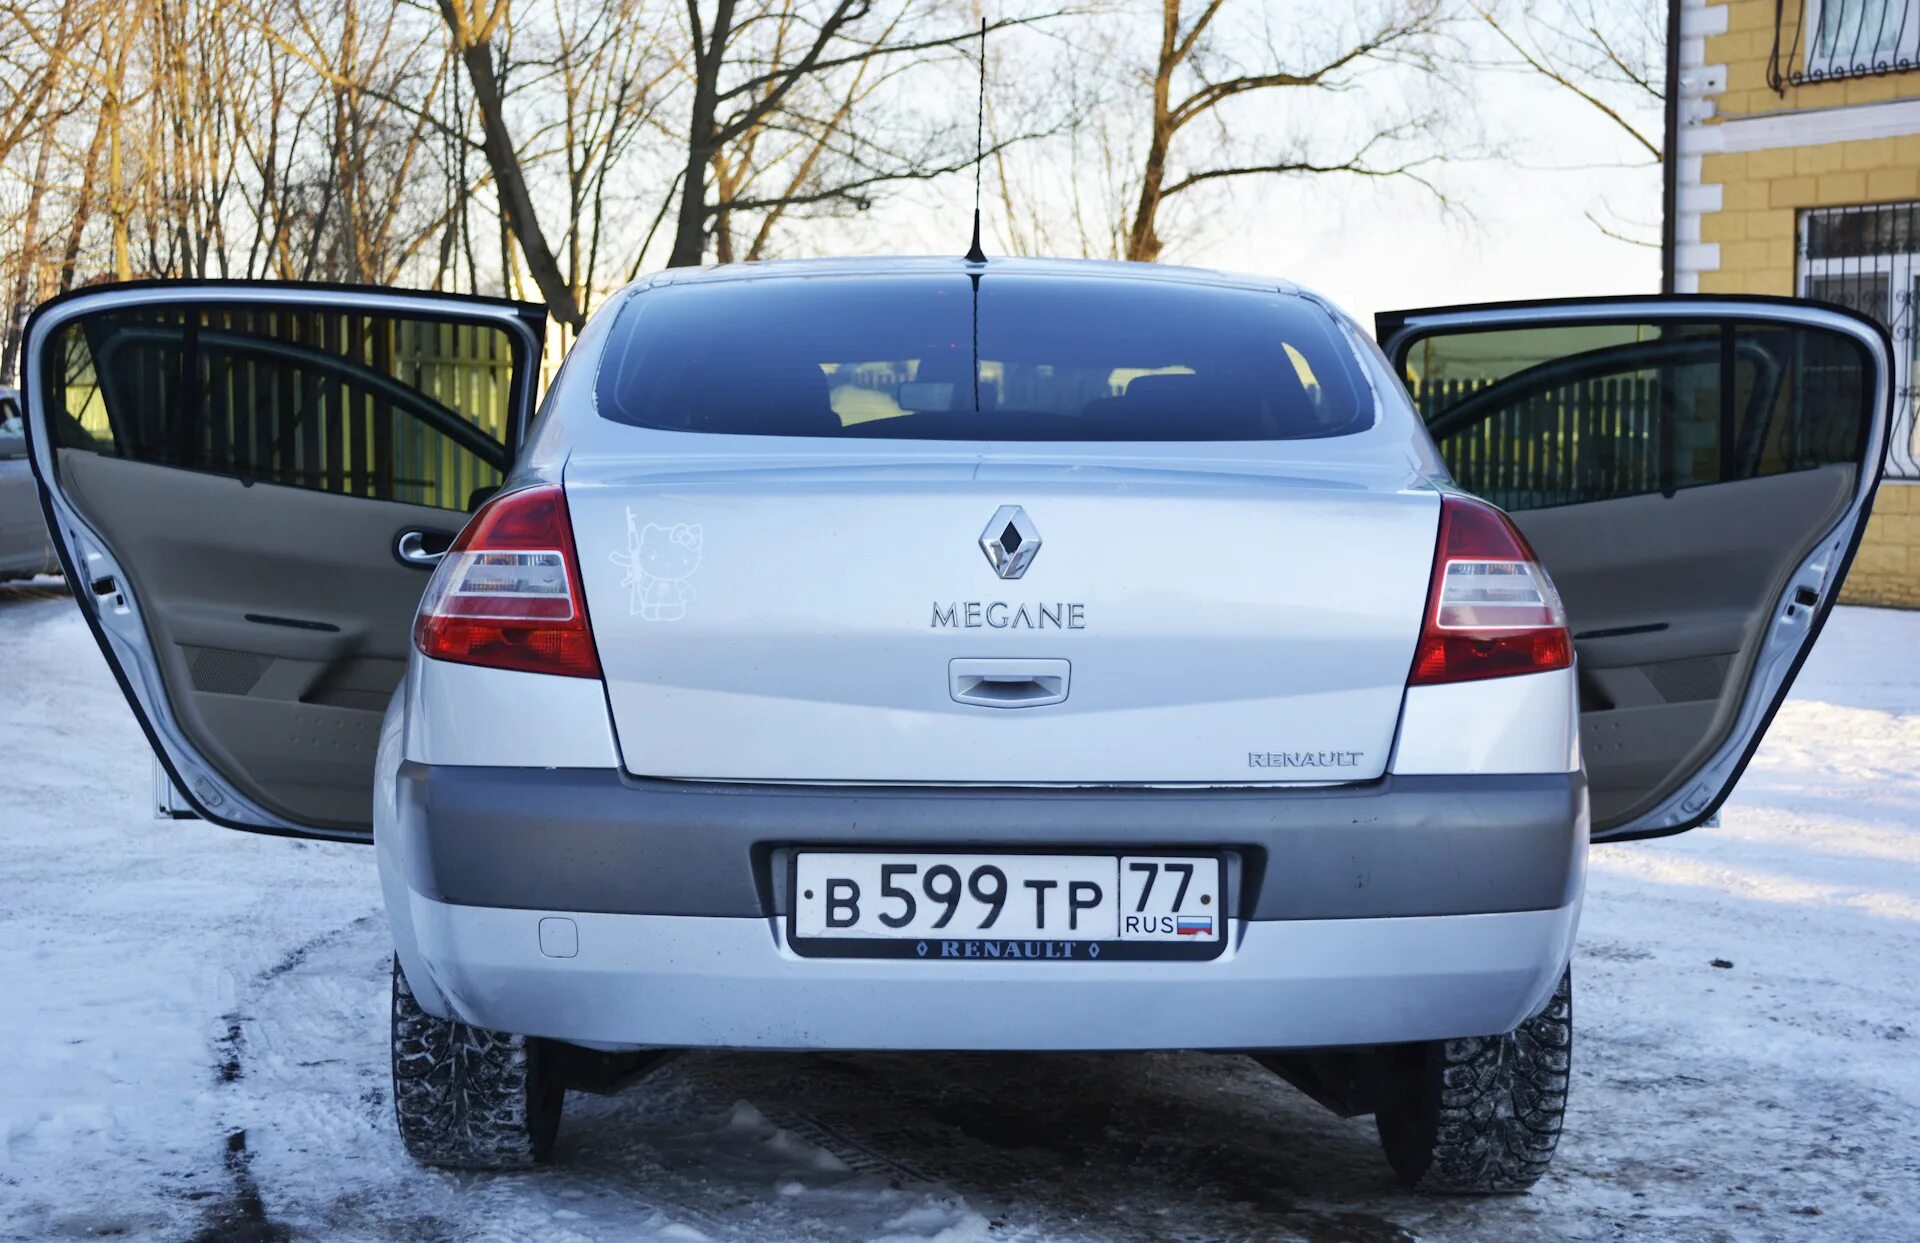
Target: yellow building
[(1799, 173)]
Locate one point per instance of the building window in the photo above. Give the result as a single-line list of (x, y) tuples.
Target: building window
[(1868, 259), (1844, 39)]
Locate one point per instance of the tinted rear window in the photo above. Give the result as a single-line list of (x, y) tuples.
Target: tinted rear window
[(1029, 358)]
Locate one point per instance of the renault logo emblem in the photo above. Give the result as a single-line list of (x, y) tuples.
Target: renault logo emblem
[(1010, 541)]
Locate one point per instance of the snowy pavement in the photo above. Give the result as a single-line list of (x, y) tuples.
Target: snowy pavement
[(192, 1040)]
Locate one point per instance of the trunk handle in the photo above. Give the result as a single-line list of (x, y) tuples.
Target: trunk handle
[(990, 683)]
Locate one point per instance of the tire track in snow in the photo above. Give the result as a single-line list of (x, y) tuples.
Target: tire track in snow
[(241, 1216)]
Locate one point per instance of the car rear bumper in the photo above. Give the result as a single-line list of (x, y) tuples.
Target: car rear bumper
[(590, 907), (691, 982), (593, 840)]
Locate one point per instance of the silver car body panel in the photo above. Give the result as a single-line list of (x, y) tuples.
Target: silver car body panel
[(1526, 724), (767, 648), (25, 549), (691, 982), (465, 714)]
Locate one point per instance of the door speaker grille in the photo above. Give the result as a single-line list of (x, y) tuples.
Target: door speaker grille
[(1689, 678), (223, 671)]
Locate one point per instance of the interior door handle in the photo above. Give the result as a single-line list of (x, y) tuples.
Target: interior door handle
[(1007, 683), (420, 548)]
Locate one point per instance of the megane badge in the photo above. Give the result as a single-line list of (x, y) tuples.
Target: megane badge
[(1010, 541)]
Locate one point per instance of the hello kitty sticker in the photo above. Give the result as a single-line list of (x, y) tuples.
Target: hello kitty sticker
[(658, 562)]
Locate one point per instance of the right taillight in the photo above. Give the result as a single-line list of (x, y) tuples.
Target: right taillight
[(1491, 610)]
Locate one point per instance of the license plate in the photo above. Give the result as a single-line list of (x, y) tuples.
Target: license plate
[(957, 905)]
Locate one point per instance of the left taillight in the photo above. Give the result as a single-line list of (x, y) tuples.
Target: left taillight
[(508, 595)]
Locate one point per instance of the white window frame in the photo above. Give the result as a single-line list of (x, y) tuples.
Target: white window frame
[(1821, 64)]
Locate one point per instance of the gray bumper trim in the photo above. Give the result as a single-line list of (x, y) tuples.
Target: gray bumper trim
[(591, 840)]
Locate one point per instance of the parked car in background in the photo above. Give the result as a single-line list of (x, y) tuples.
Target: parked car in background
[(944, 655), (25, 550)]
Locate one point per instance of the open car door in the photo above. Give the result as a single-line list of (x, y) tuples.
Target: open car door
[(1695, 473), (247, 484)]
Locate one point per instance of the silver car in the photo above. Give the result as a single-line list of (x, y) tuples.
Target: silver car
[(942, 655), (25, 550)]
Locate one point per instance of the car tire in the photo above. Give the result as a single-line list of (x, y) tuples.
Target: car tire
[(1482, 1115), (466, 1097)]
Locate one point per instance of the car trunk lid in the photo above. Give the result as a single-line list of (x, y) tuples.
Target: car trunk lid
[(774, 620)]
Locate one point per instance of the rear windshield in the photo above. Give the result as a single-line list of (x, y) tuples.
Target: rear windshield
[(1026, 358)]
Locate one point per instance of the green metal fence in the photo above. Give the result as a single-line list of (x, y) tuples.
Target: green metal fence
[(362, 405)]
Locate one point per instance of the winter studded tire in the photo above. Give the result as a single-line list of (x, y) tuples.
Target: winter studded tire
[(466, 1097), (1480, 1115)]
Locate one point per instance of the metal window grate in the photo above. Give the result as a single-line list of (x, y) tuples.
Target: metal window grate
[(1832, 39), (1868, 260)]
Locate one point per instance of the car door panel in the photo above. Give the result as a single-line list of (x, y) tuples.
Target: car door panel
[(1661, 622), (1694, 473), (232, 467), (259, 617)]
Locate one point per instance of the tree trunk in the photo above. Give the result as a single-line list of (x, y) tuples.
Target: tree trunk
[(25, 291), (23, 286), (1143, 240), (725, 191), (690, 231), (119, 210), (82, 210), (511, 181)]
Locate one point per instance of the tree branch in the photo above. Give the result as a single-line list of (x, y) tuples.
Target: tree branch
[(1554, 75), (1356, 166)]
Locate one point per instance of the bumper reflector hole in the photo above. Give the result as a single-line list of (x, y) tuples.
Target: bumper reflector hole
[(559, 938)]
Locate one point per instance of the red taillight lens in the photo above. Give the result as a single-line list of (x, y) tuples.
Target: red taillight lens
[(1491, 610), (507, 595)]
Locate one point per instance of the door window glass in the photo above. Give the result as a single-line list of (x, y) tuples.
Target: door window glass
[(1542, 416), (375, 406)]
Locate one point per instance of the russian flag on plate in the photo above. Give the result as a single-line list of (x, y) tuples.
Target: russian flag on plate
[(1195, 926)]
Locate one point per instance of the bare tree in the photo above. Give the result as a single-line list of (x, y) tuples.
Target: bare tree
[(35, 60), (1070, 191), (1608, 56), (782, 114), (1193, 77), (538, 148), (611, 70), (474, 24), (274, 133), (33, 101)]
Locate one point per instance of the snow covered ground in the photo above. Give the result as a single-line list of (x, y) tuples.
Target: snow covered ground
[(192, 1040)]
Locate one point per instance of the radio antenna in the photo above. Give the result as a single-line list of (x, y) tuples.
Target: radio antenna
[(974, 253)]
